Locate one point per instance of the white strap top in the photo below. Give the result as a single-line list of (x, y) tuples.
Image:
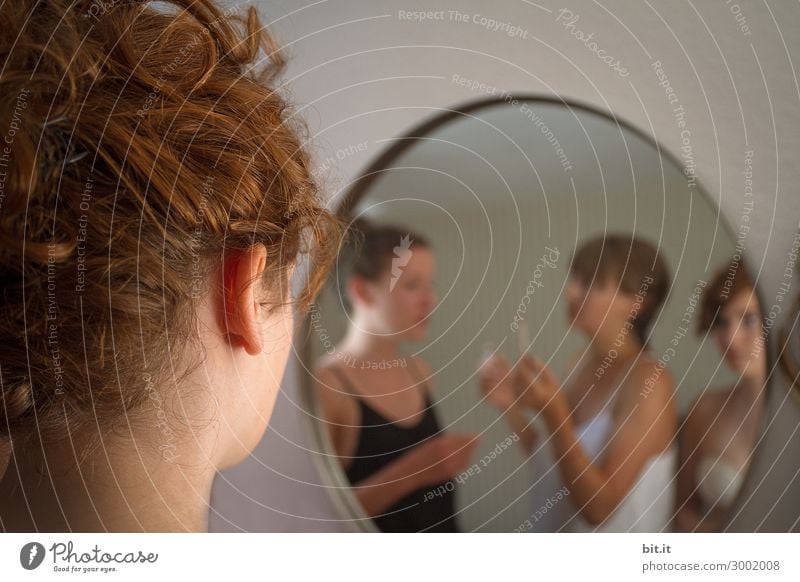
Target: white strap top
[(648, 506), (718, 481)]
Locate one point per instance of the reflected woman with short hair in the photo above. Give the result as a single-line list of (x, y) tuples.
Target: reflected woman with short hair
[(604, 459), (721, 429)]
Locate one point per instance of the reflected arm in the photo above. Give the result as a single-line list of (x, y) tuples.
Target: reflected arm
[(646, 429)]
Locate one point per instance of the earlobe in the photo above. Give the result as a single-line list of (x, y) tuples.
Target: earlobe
[(241, 273)]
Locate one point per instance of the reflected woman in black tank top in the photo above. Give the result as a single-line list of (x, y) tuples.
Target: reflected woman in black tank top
[(377, 402)]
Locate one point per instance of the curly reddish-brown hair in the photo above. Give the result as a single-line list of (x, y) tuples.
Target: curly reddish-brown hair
[(139, 145)]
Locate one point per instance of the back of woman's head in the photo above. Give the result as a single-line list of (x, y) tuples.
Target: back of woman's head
[(140, 145), (632, 265)]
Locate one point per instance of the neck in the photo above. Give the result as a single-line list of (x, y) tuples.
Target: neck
[(611, 339), (366, 345), (124, 484)]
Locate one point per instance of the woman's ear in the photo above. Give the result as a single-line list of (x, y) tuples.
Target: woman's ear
[(242, 272)]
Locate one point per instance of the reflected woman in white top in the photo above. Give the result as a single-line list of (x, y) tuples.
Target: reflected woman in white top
[(603, 455), (722, 426)]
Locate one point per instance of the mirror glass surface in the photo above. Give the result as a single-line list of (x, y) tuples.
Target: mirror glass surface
[(489, 206)]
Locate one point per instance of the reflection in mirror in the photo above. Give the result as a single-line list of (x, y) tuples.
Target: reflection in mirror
[(724, 424), (790, 348), (378, 402), (539, 323)]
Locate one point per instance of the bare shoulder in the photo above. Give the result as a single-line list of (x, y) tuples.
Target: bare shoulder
[(424, 369), (326, 361), (647, 401), (705, 409), (423, 366), (333, 394), (327, 377), (655, 373), (649, 384)]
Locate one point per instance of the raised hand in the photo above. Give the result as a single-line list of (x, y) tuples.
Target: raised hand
[(538, 385), (496, 382)]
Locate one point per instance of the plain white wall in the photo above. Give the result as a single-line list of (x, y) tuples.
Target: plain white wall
[(362, 73)]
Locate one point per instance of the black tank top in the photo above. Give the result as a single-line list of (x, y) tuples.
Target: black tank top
[(380, 441)]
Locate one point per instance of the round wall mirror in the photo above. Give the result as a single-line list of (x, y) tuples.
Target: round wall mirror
[(539, 323)]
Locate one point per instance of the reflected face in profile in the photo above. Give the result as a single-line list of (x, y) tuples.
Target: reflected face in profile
[(738, 332), (589, 307), (403, 298)]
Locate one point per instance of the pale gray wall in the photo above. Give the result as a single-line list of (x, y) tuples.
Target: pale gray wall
[(362, 75)]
